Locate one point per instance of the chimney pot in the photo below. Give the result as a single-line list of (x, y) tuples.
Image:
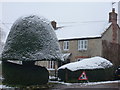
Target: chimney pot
[(113, 16), (113, 10), (54, 25)]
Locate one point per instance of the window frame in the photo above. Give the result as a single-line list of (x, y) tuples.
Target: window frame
[(82, 45), (66, 45)]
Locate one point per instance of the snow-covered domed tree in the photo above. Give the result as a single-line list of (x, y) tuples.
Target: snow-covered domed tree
[(31, 38)]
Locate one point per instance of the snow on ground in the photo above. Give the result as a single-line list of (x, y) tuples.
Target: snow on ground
[(104, 82), (85, 84), (61, 82), (4, 86), (70, 84), (90, 63), (52, 77)]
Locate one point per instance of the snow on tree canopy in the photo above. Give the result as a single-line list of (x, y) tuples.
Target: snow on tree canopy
[(90, 63), (31, 38)]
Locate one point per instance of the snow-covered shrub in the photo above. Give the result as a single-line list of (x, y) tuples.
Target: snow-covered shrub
[(96, 68), (31, 38), (93, 75)]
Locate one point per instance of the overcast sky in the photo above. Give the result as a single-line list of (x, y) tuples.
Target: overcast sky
[(58, 11)]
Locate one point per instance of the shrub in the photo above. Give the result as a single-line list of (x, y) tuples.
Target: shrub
[(24, 75), (93, 75)]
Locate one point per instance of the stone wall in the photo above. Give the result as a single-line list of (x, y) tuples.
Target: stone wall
[(94, 49), (111, 51), (119, 13)]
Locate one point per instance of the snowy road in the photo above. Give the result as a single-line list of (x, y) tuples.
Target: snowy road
[(107, 85)]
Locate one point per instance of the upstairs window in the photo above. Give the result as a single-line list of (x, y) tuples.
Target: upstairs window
[(82, 44), (66, 45)]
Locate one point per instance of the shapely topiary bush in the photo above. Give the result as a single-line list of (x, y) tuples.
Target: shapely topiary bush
[(30, 39)]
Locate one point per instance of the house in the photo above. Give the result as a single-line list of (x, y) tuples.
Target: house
[(80, 40), (119, 13), (88, 39)]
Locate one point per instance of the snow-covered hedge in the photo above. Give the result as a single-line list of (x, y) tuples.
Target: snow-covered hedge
[(93, 75), (90, 63), (31, 38), (96, 68)]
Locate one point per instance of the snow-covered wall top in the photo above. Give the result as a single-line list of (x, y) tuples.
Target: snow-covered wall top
[(31, 38), (75, 30), (90, 63)]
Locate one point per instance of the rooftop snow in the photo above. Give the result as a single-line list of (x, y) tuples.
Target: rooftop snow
[(90, 63), (75, 30)]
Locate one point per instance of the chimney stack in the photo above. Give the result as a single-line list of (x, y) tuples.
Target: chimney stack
[(113, 16), (54, 25)]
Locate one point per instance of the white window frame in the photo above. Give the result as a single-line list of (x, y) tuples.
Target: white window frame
[(66, 45), (82, 45)]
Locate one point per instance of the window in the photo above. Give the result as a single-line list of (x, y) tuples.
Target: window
[(66, 45), (82, 44), (51, 64)]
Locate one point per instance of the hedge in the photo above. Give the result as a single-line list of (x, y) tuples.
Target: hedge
[(23, 75), (92, 75)]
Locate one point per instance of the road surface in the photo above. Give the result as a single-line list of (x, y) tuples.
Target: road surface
[(90, 86)]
